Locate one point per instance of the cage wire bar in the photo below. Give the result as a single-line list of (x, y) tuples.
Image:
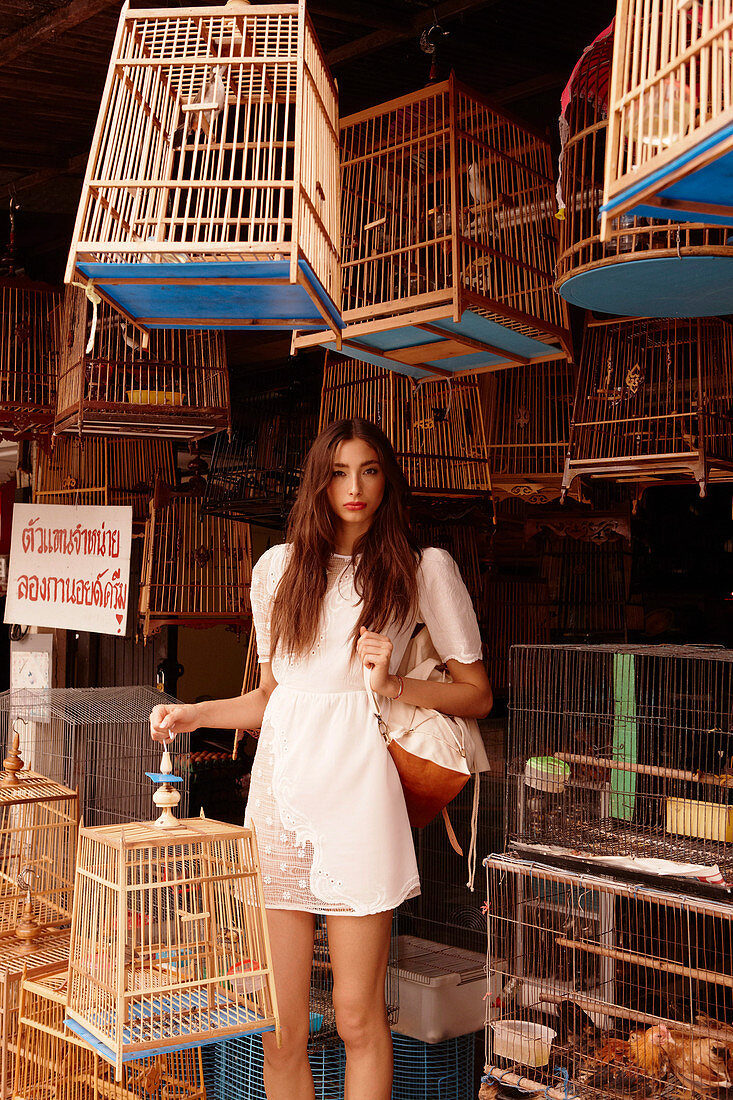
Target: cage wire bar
[(670, 143), (211, 193), (633, 269), (623, 752), (51, 1060), (625, 988), (449, 239), (654, 400), (95, 740), (515, 610), (28, 350), (197, 569), (97, 470), (177, 386), (239, 1064), (169, 945)]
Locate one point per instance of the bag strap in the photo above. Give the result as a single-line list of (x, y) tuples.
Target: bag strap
[(451, 833)]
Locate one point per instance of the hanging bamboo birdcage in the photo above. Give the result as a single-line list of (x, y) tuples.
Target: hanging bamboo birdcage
[(255, 472), (654, 400), (102, 471), (177, 386), (51, 1060), (196, 569), (212, 190), (670, 147), (169, 945), (528, 429), (449, 240), (635, 270), (28, 349), (436, 428)]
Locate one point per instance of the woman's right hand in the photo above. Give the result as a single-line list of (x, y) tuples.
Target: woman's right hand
[(168, 719)]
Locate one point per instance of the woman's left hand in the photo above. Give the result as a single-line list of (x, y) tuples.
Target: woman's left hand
[(375, 652)]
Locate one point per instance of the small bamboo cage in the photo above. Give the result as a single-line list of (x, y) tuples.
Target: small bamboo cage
[(528, 429), (654, 400), (47, 1052), (627, 748), (38, 823), (96, 740), (634, 270), (102, 471), (169, 945), (28, 348), (255, 472), (212, 189), (516, 611), (670, 144), (177, 386), (436, 427), (449, 240), (197, 569)]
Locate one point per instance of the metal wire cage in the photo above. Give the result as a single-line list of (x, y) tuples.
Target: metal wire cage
[(623, 751), (444, 1070), (633, 269), (671, 111), (178, 386), (102, 471), (28, 349), (436, 428), (654, 399), (612, 989), (197, 569), (169, 945), (444, 200), (238, 1067), (212, 189), (96, 740), (49, 1055)]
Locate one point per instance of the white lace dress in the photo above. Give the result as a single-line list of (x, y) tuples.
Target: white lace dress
[(325, 797)]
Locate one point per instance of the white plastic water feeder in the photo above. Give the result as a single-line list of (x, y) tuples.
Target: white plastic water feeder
[(523, 1042)]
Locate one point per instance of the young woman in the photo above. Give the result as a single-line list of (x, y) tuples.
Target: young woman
[(346, 590)]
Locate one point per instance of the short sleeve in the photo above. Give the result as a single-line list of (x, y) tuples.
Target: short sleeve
[(446, 608), (265, 577)]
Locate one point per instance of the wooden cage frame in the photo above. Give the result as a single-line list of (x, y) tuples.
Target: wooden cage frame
[(28, 350), (98, 470), (670, 138), (197, 569), (633, 270), (212, 189), (449, 239), (178, 386), (436, 427), (654, 400)]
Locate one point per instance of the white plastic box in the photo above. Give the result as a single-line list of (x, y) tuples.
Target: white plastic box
[(441, 989)]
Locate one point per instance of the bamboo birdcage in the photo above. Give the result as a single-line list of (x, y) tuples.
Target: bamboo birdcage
[(516, 611), (177, 386), (436, 427), (633, 982), (635, 269), (28, 349), (102, 471), (197, 569), (449, 240), (670, 143), (212, 190), (51, 1061), (169, 944), (528, 429), (654, 400)]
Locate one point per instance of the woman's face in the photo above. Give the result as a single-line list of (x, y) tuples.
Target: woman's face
[(357, 484)]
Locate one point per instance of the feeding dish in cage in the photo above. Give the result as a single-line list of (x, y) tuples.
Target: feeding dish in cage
[(545, 773), (522, 1041), (706, 820), (154, 397)]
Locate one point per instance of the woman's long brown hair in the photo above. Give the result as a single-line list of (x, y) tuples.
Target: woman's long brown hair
[(386, 556)]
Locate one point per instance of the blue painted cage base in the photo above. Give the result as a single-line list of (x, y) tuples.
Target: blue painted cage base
[(690, 286)]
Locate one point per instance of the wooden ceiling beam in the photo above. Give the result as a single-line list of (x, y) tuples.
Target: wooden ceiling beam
[(36, 33), (364, 15), (528, 88), (73, 167), (409, 28)]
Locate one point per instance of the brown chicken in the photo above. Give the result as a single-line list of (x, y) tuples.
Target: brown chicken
[(700, 1064), (646, 1050)]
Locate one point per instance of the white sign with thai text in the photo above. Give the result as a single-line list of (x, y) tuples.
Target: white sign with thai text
[(70, 567)]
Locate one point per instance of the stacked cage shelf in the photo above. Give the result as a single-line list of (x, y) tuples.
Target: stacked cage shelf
[(28, 350)]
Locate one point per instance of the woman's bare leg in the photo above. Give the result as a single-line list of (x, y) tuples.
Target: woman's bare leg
[(359, 949), (287, 1070)]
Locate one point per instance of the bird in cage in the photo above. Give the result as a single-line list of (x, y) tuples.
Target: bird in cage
[(702, 1064)]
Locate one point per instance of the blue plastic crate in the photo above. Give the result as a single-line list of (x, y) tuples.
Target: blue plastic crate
[(440, 1071), (236, 1073)]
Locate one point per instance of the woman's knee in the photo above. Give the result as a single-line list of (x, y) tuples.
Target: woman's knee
[(359, 1021), (293, 1047)]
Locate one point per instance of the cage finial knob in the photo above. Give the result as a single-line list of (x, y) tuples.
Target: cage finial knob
[(12, 763), (166, 797), (27, 928)]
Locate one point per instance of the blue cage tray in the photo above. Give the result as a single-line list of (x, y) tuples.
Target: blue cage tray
[(663, 286)]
